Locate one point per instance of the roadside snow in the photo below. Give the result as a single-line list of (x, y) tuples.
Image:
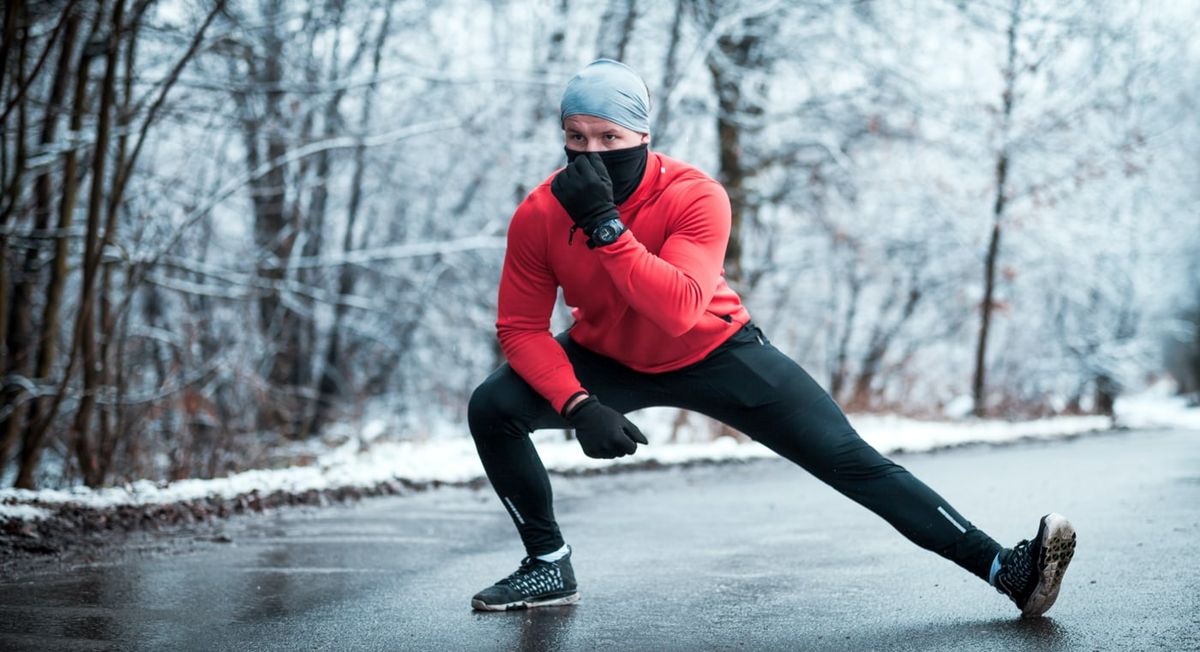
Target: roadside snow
[(369, 460), (1157, 408), (22, 512)]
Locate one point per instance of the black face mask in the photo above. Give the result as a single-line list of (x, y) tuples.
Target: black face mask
[(625, 167)]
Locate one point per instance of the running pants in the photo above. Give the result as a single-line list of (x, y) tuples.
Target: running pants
[(745, 383)]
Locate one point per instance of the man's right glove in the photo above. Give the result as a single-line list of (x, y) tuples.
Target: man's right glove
[(602, 431), (585, 191)]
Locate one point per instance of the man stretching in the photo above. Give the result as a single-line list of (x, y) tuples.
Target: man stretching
[(636, 240)]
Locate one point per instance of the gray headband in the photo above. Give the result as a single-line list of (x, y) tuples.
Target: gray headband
[(611, 90)]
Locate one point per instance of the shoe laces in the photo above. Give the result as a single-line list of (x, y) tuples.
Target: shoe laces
[(1016, 571), (534, 577), (528, 565)]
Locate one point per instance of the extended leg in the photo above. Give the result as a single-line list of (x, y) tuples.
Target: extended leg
[(773, 400)]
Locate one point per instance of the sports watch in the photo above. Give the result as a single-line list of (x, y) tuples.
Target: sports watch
[(606, 233)]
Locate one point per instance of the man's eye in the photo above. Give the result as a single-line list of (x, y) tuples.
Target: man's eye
[(610, 137)]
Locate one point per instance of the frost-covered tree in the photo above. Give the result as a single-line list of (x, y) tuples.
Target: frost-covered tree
[(232, 227)]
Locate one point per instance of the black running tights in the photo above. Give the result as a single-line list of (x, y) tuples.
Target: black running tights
[(745, 383)]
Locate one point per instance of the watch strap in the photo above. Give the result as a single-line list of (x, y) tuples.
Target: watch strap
[(620, 228)]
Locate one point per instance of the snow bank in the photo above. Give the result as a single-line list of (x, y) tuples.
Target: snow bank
[(1157, 408), (369, 461), (22, 512)]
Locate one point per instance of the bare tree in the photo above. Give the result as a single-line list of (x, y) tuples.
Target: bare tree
[(616, 27), (1034, 38), (740, 62), (113, 34), (292, 215), (334, 384)]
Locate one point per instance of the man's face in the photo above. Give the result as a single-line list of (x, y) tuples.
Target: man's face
[(587, 133)]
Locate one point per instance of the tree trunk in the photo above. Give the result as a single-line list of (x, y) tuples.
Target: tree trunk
[(43, 411), (880, 344), (841, 369), (1106, 394), (11, 195), (85, 332), (14, 336), (312, 220), (732, 172), (335, 380), (616, 26), (274, 235), (108, 415), (735, 55), (22, 340), (979, 385), (659, 136)]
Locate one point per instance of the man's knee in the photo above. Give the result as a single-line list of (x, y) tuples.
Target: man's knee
[(493, 406), (853, 459), (482, 408)]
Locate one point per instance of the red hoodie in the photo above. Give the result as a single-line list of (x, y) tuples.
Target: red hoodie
[(655, 300)]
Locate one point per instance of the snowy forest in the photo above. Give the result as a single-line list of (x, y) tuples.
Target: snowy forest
[(232, 225)]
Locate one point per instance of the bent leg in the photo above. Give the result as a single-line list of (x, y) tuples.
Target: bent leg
[(504, 409), (498, 415), (770, 398)]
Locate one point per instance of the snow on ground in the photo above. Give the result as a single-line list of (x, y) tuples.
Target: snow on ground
[(448, 456), (1157, 407), (18, 511)]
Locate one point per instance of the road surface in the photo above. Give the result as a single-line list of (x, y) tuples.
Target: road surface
[(754, 556)]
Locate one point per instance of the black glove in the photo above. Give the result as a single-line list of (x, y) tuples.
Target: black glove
[(585, 190), (602, 431)]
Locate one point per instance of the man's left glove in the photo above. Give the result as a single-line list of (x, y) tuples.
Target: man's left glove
[(585, 190), (602, 431)]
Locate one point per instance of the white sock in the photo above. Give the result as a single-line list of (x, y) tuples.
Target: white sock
[(995, 569), (556, 555)]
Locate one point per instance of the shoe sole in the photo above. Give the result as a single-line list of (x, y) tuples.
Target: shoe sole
[(1057, 538), (553, 601)]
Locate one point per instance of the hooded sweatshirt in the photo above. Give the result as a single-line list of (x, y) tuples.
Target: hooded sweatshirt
[(655, 300)]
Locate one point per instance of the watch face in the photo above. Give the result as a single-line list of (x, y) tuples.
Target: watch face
[(604, 233)]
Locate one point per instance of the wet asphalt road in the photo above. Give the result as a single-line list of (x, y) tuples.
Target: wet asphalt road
[(752, 556)]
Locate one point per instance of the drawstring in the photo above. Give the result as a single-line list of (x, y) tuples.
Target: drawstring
[(572, 234)]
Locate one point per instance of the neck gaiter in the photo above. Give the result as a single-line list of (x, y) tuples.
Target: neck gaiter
[(625, 167)]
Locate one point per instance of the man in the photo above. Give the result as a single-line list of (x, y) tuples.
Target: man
[(636, 240)]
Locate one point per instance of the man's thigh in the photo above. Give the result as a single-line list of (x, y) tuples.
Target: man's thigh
[(757, 389), (617, 386)]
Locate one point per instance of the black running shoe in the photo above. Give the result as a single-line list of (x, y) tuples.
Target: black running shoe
[(1031, 571), (536, 583)]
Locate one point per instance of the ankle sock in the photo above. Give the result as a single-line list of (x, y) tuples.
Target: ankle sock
[(995, 569), (556, 555)]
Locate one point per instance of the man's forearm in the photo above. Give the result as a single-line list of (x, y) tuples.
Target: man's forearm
[(540, 361)]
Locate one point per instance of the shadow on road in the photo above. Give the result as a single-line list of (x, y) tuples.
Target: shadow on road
[(1003, 633), (544, 628)]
